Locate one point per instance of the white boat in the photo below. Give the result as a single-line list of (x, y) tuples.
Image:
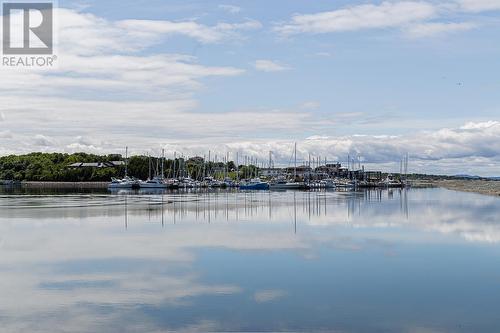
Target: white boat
[(124, 183), (211, 182), (344, 183), (325, 183), (228, 182), (288, 185), (390, 181), (282, 184), (187, 182), (156, 182)]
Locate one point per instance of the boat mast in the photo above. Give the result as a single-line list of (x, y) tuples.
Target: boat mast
[(126, 161), (204, 167), (295, 162), (149, 166), (237, 167), (227, 166), (209, 174), (175, 157), (157, 169), (162, 163)]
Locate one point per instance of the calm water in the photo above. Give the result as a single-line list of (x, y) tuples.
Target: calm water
[(381, 261)]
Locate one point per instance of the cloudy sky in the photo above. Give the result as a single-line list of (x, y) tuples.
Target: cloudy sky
[(374, 79)]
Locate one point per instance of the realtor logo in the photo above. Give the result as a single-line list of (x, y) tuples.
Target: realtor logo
[(28, 28)]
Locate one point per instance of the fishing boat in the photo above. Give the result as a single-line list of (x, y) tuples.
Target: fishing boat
[(254, 184)]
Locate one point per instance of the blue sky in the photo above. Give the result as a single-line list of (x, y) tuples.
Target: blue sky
[(370, 78)]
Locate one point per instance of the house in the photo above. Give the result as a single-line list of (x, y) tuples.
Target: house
[(270, 172), (112, 164)]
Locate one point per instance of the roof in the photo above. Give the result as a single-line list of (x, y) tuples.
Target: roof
[(111, 164)]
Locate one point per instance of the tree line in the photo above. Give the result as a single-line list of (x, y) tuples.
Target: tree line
[(55, 167)]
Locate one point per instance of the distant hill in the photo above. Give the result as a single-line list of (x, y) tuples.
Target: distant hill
[(476, 177)]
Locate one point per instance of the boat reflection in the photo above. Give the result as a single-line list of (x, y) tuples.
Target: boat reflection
[(275, 261)]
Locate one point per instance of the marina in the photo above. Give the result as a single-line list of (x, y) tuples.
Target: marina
[(198, 172)]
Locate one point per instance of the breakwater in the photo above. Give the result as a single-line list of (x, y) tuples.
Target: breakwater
[(64, 185)]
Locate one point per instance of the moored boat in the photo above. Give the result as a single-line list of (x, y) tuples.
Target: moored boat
[(124, 183), (288, 185), (156, 182), (254, 184), (390, 181)]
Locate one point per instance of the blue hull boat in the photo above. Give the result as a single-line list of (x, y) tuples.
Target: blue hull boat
[(254, 184)]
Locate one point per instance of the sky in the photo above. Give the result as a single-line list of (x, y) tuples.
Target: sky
[(370, 79)]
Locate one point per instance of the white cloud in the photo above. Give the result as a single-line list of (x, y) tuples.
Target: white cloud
[(447, 151), (432, 29), (43, 141), (323, 54), (269, 66), (265, 296), (412, 17), (369, 16), (85, 33), (230, 9), (479, 5), (6, 134), (480, 126), (102, 80), (98, 55), (310, 105), (205, 34)]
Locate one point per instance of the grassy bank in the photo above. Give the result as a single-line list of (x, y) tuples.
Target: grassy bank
[(488, 187)]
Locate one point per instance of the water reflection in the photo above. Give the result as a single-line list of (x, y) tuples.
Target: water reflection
[(392, 261)]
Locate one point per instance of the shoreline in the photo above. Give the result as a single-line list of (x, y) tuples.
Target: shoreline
[(480, 186), (485, 187)]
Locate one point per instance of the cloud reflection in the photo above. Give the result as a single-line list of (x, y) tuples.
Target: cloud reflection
[(108, 256)]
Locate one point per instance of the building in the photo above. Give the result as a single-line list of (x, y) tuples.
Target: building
[(112, 164), (329, 169), (302, 171), (270, 172)]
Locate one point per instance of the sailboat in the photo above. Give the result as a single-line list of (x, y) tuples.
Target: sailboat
[(283, 184), (157, 181), (126, 182)]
